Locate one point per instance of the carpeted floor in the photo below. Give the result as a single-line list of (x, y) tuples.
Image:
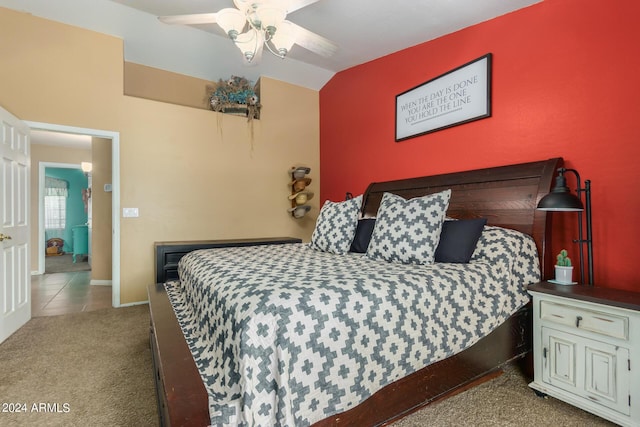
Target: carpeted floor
[(506, 401), (96, 366), (64, 263), (94, 369)]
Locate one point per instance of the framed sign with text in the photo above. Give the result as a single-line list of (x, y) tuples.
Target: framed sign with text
[(459, 96)]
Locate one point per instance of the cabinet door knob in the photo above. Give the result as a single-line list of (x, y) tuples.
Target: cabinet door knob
[(578, 319)]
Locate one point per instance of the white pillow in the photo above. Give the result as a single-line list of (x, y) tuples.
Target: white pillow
[(408, 231), (336, 226)]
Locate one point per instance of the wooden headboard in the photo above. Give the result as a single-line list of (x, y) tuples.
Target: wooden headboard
[(506, 195)]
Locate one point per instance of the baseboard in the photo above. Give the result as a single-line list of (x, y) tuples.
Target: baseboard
[(130, 304), (100, 282)]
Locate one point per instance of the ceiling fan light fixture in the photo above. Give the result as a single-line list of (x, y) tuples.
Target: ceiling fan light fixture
[(283, 39), (270, 17), (258, 24), (248, 44), (232, 21)]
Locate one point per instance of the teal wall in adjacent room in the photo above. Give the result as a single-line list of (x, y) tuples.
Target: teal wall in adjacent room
[(76, 214)]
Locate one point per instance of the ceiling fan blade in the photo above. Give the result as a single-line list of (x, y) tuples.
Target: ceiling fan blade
[(193, 19), (289, 5), (313, 42), (299, 4)]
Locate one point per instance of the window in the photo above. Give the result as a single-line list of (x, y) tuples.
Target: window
[(55, 203), (55, 208)]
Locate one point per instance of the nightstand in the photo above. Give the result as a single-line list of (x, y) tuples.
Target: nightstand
[(586, 348)]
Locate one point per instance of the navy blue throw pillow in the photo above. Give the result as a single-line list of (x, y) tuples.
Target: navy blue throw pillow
[(363, 235), (458, 240)]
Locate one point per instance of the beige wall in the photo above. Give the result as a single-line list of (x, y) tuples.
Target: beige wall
[(159, 85), (193, 174), (101, 224)]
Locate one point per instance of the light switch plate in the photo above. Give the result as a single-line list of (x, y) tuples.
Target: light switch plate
[(130, 212)]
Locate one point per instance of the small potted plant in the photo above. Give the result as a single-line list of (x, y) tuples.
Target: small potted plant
[(564, 269)]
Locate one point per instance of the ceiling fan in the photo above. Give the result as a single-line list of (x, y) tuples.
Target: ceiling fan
[(255, 24)]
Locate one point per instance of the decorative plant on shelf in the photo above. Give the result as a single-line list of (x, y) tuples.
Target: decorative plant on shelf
[(564, 269), (562, 259), (234, 96)]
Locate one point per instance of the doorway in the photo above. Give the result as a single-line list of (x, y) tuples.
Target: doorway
[(65, 209), (115, 200), (67, 285)]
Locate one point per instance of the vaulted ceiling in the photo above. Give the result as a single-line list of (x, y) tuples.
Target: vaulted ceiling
[(362, 29)]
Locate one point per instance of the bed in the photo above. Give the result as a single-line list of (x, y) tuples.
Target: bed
[(384, 388)]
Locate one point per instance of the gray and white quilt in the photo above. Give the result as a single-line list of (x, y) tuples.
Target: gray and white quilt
[(287, 335)]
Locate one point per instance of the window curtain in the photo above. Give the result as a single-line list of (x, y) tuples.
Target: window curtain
[(55, 187), (55, 206)]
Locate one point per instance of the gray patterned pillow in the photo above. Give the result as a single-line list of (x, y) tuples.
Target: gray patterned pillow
[(408, 231), (336, 226)]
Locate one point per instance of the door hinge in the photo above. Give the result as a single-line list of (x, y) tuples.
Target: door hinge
[(544, 352), (629, 400), (629, 364)]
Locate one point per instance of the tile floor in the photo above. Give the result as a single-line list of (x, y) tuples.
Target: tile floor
[(63, 293)]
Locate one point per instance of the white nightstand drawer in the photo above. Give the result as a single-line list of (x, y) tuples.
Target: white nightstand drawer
[(588, 320)]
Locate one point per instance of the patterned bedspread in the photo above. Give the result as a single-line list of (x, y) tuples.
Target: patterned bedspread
[(286, 335)]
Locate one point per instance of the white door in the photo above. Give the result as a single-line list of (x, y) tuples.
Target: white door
[(15, 281)]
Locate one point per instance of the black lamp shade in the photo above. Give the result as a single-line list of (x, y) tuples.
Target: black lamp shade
[(560, 198), (560, 202)]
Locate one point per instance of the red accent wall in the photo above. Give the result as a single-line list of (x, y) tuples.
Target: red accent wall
[(566, 83)]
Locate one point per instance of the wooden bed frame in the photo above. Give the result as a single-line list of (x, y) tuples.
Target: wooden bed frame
[(507, 196)]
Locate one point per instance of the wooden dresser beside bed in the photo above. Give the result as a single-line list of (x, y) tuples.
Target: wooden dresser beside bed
[(506, 196)]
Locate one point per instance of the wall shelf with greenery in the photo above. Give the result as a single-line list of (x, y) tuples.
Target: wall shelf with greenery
[(235, 96)]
